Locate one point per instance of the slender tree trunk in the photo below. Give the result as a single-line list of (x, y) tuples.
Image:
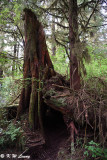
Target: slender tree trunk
[(17, 56), (73, 39), (1, 76), (1, 67), (53, 38), (36, 58), (14, 62)]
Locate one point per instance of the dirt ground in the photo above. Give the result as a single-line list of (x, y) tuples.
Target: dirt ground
[(57, 135)]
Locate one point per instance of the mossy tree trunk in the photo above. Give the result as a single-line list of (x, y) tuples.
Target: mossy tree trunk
[(73, 39), (36, 59)]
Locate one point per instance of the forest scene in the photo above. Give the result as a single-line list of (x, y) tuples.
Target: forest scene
[(53, 79)]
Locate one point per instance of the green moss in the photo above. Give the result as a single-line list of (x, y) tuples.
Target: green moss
[(31, 112), (33, 106), (51, 92), (59, 102)]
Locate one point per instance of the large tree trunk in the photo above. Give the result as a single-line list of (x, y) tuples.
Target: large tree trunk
[(73, 38), (36, 59)]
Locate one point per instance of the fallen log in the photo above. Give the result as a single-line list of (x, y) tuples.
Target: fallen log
[(80, 106), (10, 110)]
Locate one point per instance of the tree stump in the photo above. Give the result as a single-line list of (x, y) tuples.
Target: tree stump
[(36, 60)]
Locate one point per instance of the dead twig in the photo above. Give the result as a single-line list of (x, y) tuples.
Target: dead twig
[(83, 112), (63, 87), (15, 99), (62, 95)]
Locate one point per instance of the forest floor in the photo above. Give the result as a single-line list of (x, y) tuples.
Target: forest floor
[(57, 136), (57, 146)]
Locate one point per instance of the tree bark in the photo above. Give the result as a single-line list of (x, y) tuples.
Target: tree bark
[(73, 39), (36, 59)]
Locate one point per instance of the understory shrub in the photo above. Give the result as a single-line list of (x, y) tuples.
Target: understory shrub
[(12, 136), (94, 150)]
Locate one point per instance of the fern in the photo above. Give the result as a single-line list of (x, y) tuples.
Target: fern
[(11, 136)]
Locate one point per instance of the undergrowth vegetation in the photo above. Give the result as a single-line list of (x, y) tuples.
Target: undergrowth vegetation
[(91, 151), (9, 89), (11, 136), (61, 61), (94, 150), (98, 64), (97, 67)]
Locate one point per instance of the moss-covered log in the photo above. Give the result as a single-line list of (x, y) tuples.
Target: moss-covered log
[(81, 107)]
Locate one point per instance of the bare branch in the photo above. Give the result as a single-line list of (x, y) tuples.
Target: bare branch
[(90, 16), (21, 34), (64, 47), (97, 26), (59, 24), (65, 3)]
